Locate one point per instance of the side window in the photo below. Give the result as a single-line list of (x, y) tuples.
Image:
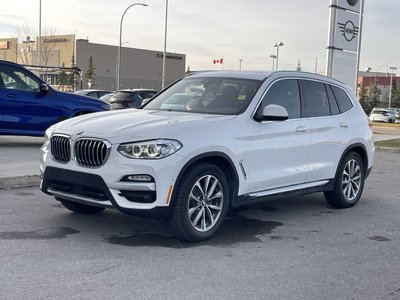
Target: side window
[(284, 93), (315, 99), (332, 101), (342, 99), (17, 80)]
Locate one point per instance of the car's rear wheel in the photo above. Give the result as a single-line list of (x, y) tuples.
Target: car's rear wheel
[(79, 207), (349, 182), (200, 203)]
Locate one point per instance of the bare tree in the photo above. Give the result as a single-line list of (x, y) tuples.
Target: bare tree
[(24, 46), (47, 45)]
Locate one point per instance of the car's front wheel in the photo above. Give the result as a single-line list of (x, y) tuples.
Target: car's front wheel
[(79, 207), (349, 182), (200, 203)]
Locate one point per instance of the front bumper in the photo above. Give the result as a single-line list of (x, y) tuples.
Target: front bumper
[(91, 189), (105, 186)]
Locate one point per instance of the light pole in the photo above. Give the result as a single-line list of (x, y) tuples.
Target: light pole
[(117, 58), (240, 64), (39, 43), (165, 46), (391, 82), (119, 45), (277, 45), (273, 56), (387, 67)]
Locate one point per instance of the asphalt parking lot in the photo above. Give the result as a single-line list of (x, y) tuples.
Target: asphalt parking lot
[(295, 248)]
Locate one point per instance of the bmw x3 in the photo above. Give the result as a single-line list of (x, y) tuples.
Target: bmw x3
[(210, 142)]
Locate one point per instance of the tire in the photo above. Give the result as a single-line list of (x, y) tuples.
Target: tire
[(349, 182), (390, 121), (200, 203), (80, 208)]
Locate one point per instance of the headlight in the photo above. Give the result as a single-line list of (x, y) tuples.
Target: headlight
[(153, 149)]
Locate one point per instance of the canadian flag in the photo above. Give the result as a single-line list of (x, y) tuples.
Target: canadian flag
[(218, 61)]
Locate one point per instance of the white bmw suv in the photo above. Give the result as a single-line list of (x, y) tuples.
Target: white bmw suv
[(210, 142)]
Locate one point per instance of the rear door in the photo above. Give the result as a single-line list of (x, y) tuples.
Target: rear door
[(330, 132)]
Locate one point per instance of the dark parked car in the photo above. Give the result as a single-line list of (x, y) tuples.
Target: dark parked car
[(93, 93), (130, 98), (28, 106)]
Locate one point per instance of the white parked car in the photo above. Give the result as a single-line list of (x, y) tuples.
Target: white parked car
[(247, 137), (383, 115)]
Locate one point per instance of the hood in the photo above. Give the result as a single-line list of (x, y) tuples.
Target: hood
[(134, 124), (79, 98)]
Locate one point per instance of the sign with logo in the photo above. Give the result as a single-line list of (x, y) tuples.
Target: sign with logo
[(347, 30), (344, 40), (353, 5)]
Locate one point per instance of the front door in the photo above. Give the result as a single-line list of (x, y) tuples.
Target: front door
[(22, 104), (280, 149)]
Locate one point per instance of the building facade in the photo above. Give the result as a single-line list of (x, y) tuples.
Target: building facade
[(140, 68), (382, 80)]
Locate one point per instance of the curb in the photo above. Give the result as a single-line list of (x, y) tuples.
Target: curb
[(387, 149), (19, 182)]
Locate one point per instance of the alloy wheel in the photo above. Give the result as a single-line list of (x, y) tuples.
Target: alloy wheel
[(351, 180), (205, 203)]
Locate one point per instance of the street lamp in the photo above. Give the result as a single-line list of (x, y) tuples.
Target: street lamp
[(39, 42), (273, 56), (277, 45), (165, 46), (391, 82), (120, 42), (240, 64), (117, 58)]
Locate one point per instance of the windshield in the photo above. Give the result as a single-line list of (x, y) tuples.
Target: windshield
[(228, 96)]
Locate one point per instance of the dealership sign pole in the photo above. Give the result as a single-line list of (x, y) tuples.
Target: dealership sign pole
[(344, 40)]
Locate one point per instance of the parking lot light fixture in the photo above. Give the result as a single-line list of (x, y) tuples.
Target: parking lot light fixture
[(277, 45), (273, 56), (165, 46), (120, 43)]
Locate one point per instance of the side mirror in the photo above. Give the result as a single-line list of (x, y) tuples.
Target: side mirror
[(274, 112), (44, 88)]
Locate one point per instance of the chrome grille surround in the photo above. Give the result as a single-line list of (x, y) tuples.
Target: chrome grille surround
[(91, 152), (60, 147)]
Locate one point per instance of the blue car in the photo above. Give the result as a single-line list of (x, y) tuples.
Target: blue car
[(28, 106)]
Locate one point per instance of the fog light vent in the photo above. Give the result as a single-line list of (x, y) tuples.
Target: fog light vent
[(138, 178)]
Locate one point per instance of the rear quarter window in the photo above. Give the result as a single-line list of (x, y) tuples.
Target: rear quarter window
[(342, 99)]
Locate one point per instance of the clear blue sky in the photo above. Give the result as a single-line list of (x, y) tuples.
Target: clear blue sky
[(209, 29)]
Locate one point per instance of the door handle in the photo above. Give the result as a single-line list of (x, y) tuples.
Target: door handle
[(13, 96), (301, 129), (344, 124)]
